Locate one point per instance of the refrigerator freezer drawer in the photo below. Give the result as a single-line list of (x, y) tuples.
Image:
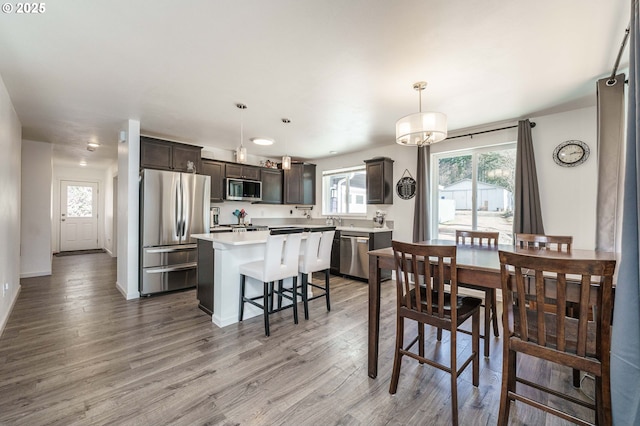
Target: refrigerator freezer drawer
[(169, 255), (160, 279)]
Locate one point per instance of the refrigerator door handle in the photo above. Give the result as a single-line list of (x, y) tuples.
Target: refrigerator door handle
[(176, 207), (182, 213), (182, 267), (173, 249)]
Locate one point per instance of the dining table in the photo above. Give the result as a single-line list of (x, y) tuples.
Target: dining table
[(477, 265)]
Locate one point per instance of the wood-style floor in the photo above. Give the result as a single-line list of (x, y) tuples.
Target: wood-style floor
[(75, 352)]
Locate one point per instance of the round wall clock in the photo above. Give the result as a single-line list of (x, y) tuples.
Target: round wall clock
[(571, 153)]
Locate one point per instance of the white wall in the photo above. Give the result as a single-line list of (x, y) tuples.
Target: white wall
[(108, 223), (128, 210), (35, 235), (401, 211), (568, 195), (10, 147), (63, 172)]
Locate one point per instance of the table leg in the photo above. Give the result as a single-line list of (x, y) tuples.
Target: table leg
[(374, 314)]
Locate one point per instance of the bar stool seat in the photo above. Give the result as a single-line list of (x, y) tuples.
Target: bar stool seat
[(280, 262)]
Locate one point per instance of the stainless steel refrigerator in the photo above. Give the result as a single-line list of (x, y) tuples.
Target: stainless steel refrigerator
[(173, 206)]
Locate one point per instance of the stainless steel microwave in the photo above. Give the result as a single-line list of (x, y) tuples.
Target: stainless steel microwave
[(243, 190)]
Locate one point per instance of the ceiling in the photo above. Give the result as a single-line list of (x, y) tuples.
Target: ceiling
[(341, 71)]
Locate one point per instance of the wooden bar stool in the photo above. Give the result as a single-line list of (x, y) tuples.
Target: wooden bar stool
[(425, 301), (544, 330)]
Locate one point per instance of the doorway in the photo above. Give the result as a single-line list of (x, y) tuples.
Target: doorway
[(78, 215)]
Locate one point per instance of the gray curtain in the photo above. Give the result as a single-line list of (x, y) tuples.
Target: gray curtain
[(610, 140), (421, 213), (527, 213), (625, 341)]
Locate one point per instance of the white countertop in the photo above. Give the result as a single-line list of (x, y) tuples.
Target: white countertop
[(235, 238), (260, 237), (362, 229)]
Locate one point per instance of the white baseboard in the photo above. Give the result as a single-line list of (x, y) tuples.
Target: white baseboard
[(35, 274), (5, 318), (127, 296), (109, 252)]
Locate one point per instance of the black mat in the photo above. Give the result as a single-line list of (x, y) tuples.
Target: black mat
[(74, 252)]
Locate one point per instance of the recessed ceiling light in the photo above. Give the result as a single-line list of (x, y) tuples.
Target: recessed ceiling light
[(262, 141), (83, 163), (333, 152), (93, 144)]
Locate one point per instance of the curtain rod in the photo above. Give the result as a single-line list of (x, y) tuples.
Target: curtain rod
[(612, 79), (488, 131)]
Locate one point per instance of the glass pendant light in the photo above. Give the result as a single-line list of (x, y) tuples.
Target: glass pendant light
[(241, 151), (286, 160)]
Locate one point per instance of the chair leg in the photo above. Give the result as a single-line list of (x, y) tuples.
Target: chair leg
[(265, 303), (305, 296), (439, 335), (397, 358), (294, 302), (487, 319), (326, 289), (243, 278), (421, 341), (494, 313), (475, 342), (603, 398), (508, 377), (280, 288), (454, 377), (576, 378)]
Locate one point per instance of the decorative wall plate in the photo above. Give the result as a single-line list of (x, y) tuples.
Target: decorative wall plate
[(406, 186)]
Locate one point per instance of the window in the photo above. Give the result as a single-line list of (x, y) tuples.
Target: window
[(344, 191), (475, 191)]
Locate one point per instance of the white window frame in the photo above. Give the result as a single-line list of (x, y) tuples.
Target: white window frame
[(325, 191), (435, 174)]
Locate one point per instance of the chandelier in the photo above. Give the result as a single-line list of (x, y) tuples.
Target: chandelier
[(421, 128)]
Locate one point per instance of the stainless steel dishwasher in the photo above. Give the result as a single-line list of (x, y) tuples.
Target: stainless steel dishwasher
[(354, 259)]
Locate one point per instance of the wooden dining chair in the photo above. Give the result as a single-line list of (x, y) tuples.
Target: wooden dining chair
[(477, 238), (579, 343), (489, 239), (423, 299), (553, 242), (549, 242)]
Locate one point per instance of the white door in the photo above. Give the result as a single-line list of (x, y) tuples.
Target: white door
[(78, 215)]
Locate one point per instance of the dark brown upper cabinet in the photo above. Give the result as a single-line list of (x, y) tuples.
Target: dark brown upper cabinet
[(240, 171), (216, 170), (167, 155), (300, 184), (272, 182), (379, 180)]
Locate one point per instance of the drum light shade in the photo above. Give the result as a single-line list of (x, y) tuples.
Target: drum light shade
[(421, 128)]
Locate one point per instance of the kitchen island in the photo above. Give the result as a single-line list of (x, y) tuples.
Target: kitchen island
[(219, 258)]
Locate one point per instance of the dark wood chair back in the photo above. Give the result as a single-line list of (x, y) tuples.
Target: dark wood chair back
[(421, 274), (477, 238), (557, 242), (579, 342), (431, 299)]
